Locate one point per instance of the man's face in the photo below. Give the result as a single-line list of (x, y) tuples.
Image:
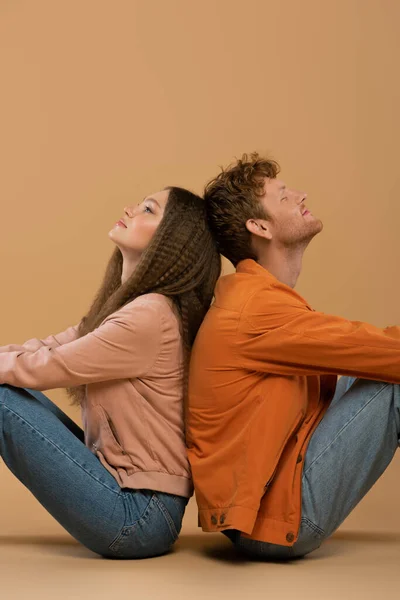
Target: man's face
[(290, 222)]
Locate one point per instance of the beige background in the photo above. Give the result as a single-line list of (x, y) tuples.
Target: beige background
[(102, 102)]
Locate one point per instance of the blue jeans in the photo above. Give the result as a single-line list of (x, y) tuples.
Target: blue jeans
[(347, 453), (45, 450)]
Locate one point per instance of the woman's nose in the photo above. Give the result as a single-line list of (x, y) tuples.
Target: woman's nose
[(127, 211)]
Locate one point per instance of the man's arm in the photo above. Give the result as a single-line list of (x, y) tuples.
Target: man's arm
[(294, 340)]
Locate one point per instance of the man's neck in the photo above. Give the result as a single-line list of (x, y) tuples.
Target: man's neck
[(284, 264)]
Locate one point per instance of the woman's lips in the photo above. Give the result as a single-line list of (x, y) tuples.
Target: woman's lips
[(121, 224), (307, 212)]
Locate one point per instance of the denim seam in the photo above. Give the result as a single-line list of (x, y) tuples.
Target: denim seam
[(313, 526), (345, 426), (58, 448), (119, 538), (177, 501), (129, 513), (167, 517)]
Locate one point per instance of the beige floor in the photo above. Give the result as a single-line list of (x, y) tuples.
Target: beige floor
[(39, 560)]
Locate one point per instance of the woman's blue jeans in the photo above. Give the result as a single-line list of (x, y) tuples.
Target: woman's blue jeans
[(347, 453), (45, 450)]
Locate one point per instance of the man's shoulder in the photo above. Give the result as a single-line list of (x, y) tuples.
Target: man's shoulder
[(254, 296), (235, 290)]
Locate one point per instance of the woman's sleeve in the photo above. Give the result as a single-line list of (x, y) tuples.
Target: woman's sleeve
[(125, 345), (51, 341)]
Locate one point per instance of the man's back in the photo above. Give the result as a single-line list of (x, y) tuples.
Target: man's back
[(244, 410), (280, 453)]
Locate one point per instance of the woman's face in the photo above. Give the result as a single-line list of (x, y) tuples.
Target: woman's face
[(134, 232)]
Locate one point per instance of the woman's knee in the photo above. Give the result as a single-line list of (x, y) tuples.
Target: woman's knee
[(9, 390), (6, 392)]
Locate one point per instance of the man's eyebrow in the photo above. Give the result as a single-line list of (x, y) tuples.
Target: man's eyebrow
[(151, 200)]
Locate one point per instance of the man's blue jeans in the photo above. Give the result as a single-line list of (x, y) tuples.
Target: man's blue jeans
[(45, 450), (347, 453)]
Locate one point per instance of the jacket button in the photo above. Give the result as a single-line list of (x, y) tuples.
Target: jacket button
[(222, 519), (214, 519), (290, 537), (299, 458)]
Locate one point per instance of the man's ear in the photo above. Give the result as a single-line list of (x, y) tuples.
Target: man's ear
[(259, 227)]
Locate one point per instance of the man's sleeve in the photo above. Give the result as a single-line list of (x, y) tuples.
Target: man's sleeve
[(125, 345), (295, 340), (52, 341)]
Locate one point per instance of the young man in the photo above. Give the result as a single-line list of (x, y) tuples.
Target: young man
[(281, 450)]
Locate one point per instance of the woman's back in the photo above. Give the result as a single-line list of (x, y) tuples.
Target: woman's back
[(135, 424)]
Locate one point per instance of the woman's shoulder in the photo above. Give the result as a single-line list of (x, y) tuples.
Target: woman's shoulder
[(156, 315), (153, 300), (147, 314), (154, 305)]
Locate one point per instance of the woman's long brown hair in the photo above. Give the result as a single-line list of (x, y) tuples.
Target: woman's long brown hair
[(181, 262)]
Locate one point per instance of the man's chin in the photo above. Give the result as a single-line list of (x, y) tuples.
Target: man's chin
[(321, 225), (314, 230), (317, 226)]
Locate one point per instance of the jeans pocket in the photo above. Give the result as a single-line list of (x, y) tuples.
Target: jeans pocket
[(134, 535), (152, 534)]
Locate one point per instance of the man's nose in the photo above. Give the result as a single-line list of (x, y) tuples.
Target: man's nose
[(301, 197)]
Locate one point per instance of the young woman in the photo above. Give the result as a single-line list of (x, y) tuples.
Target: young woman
[(121, 485)]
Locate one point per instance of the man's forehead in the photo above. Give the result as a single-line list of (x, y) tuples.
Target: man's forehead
[(273, 185)]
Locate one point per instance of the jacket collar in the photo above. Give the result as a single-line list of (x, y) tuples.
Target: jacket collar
[(252, 267), (248, 265)]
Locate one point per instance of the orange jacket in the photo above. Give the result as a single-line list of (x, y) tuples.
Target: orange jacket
[(263, 372)]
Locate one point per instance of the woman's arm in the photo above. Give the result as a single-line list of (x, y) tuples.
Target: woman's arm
[(52, 341), (124, 346)]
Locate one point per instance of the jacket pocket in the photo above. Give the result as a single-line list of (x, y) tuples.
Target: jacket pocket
[(293, 430), (113, 432), (110, 444), (108, 427)]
